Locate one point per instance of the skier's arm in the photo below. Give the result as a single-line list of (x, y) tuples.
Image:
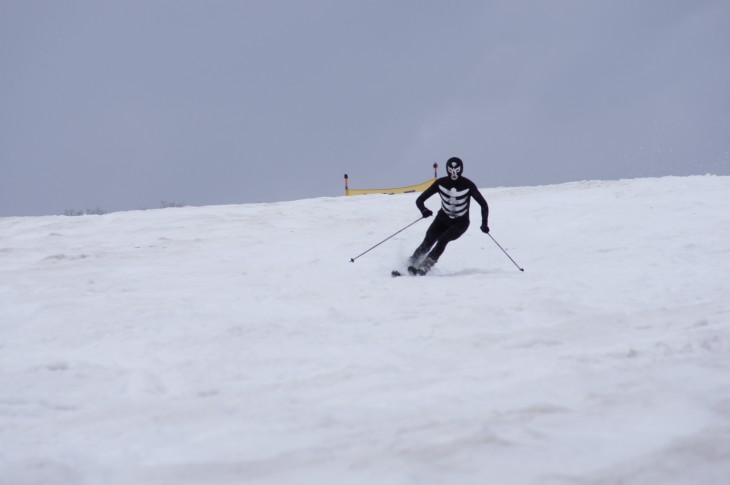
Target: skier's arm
[(476, 195), (420, 201)]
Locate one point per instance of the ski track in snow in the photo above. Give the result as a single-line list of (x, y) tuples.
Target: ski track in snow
[(238, 344)]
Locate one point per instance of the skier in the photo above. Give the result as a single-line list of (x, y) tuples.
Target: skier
[(452, 220)]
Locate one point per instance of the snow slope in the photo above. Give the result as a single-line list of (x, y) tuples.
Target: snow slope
[(238, 344)]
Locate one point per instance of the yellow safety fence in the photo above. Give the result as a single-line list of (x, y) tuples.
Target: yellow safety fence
[(396, 190)]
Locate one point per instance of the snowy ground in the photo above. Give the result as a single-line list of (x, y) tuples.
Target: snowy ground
[(238, 344)]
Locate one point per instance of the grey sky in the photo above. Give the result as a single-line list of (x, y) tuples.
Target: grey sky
[(122, 104)]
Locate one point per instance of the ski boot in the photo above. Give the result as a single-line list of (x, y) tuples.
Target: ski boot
[(423, 268)]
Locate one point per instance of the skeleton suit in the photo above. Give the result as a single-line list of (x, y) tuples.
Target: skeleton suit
[(452, 219)]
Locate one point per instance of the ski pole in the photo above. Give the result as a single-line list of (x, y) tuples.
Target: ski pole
[(505, 252), (352, 260)]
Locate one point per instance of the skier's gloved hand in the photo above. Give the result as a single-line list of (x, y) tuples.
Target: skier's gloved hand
[(426, 213), (485, 228)]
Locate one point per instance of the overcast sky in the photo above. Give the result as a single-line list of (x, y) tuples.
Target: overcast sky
[(122, 104)]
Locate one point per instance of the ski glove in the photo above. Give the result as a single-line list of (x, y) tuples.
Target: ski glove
[(485, 228), (426, 213)]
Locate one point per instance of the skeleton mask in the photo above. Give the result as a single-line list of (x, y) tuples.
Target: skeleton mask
[(454, 166)]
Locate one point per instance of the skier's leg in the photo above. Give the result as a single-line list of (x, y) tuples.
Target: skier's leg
[(434, 232), (452, 233)]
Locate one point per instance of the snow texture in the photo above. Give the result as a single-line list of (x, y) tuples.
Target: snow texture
[(239, 344)]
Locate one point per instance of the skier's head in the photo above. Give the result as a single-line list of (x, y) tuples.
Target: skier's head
[(455, 167)]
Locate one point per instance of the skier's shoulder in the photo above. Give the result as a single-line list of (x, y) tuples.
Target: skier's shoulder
[(443, 183), (471, 185), (468, 182)]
